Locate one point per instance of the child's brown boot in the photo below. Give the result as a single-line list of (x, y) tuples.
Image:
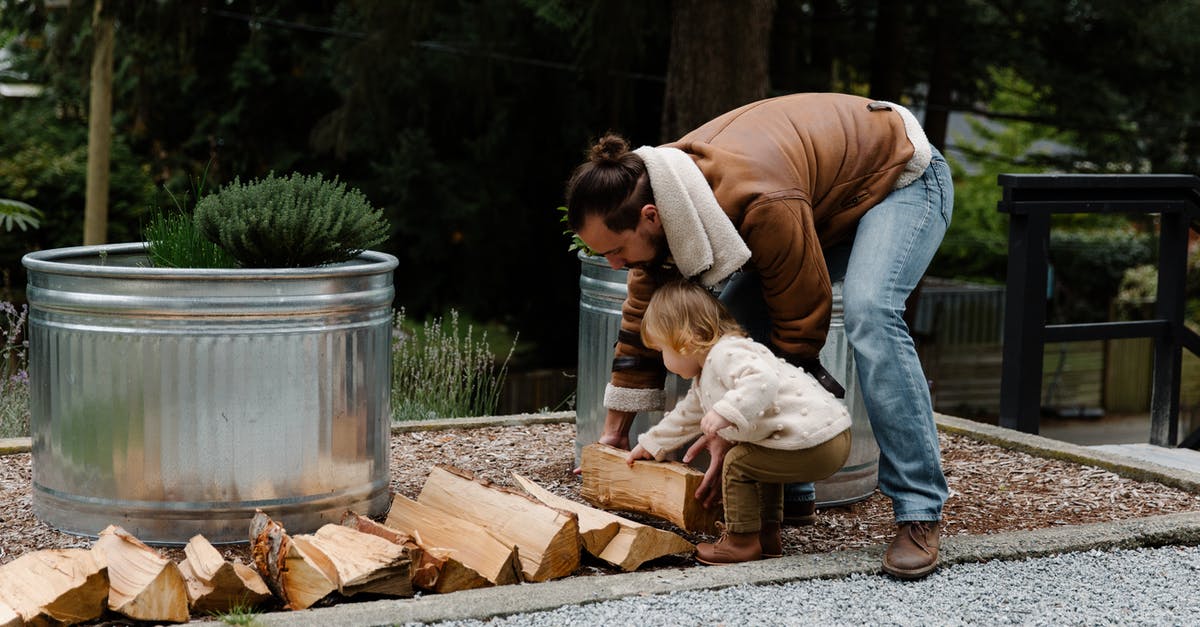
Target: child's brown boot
[(769, 540), (730, 548)]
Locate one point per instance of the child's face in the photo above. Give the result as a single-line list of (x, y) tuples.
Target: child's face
[(686, 366)]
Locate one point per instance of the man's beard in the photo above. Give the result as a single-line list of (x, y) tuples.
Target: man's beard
[(662, 252)]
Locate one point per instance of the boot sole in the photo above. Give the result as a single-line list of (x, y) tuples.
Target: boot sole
[(708, 563), (916, 573)]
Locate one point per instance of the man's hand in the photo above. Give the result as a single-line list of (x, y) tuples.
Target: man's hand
[(709, 492), (616, 431)]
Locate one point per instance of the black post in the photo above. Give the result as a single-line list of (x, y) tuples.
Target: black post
[(1024, 321), (1168, 353)]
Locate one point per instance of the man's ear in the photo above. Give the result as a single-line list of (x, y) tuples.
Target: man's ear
[(650, 212)]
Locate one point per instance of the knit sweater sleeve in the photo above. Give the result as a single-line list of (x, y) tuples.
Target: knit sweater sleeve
[(751, 379), (677, 428)]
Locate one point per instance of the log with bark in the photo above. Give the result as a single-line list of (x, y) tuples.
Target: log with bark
[(632, 545), (143, 585), (663, 490), (216, 585), (55, 586), (290, 573), (547, 539), (359, 562), (473, 558), (425, 567)]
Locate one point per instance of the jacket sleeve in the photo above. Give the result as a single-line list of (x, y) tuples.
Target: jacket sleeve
[(676, 428), (786, 253), (637, 372)]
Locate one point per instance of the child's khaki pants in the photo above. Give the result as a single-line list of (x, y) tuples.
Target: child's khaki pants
[(753, 477)]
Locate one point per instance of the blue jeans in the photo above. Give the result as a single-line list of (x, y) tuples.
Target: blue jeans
[(879, 268)]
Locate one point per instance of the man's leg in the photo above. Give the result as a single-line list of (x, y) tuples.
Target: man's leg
[(893, 245)]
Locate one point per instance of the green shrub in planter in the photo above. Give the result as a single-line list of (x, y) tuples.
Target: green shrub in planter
[(292, 222)]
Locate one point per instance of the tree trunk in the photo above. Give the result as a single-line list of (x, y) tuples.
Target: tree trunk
[(941, 71), (95, 216), (825, 15), (663, 490), (718, 60), (887, 52)]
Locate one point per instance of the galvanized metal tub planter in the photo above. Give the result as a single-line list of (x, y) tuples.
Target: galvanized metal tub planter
[(175, 402), (601, 293)]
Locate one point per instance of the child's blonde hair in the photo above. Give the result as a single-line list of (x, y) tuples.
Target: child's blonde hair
[(687, 318)]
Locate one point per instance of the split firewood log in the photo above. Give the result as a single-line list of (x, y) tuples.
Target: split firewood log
[(425, 567), (290, 573), (596, 527), (55, 586), (143, 585), (634, 543), (473, 557), (215, 585), (9, 617), (547, 539), (359, 562), (663, 490)]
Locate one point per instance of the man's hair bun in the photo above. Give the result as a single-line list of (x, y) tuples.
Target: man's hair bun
[(609, 149)]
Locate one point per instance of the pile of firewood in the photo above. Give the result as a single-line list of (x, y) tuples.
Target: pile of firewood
[(459, 533)]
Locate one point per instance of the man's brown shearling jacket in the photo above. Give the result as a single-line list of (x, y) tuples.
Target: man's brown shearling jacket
[(794, 174)]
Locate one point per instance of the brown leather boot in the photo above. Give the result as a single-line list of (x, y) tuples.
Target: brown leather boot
[(913, 553), (799, 514), (769, 540), (730, 548)]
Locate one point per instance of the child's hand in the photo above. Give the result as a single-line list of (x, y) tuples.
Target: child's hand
[(638, 452), (712, 422)]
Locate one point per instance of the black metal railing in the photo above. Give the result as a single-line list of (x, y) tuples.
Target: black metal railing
[(1030, 200)]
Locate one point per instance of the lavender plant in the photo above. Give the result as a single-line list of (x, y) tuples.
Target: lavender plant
[(14, 377), (439, 372)]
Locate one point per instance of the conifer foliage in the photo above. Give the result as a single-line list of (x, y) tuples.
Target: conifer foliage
[(293, 222)]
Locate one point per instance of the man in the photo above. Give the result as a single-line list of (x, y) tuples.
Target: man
[(776, 200)]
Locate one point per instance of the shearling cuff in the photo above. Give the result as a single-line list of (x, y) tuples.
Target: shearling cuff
[(922, 153), (632, 399)]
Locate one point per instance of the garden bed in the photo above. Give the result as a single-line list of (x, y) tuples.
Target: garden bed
[(992, 490)]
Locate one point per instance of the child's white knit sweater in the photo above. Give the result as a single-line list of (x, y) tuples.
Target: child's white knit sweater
[(769, 401)]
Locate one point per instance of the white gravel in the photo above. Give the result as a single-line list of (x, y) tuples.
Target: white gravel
[(1121, 587)]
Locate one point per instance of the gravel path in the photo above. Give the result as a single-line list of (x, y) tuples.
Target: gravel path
[(1122, 587)]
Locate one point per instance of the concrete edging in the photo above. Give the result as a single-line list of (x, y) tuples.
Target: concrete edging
[(485, 603)]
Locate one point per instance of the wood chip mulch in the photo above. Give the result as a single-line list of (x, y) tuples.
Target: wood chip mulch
[(992, 490)]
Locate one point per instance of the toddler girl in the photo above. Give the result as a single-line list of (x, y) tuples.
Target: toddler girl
[(785, 426)]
